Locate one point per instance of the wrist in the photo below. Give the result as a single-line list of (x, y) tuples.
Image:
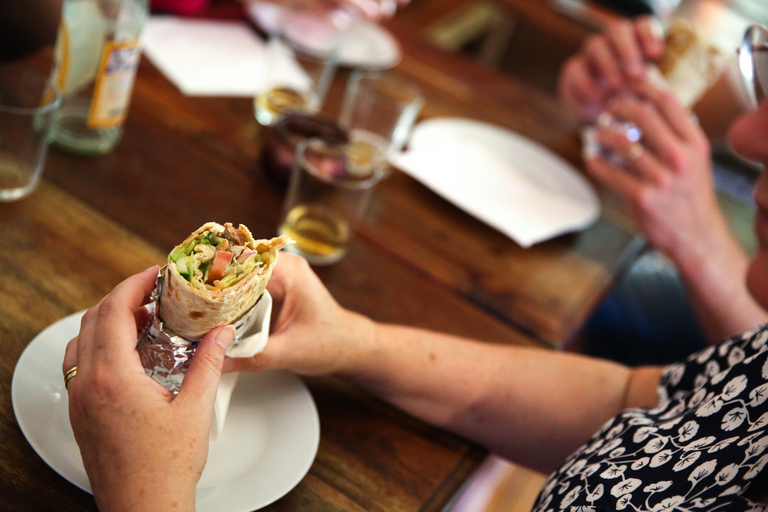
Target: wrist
[(147, 493), (717, 256), (359, 344), (711, 245)]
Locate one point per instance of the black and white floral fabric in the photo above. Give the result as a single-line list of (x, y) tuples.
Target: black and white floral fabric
[(698, 450)]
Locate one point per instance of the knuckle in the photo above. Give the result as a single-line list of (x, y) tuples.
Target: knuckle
[(668, 99), (701, 144), (102, 385), (619, 27), (257, 362), (678, 160), (107, 307), (662, 181), (644, 111), (89, 315), (593, 43), (642, 200)]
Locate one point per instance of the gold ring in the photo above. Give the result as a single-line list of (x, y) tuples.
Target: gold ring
[(69, 376), (635, 152)]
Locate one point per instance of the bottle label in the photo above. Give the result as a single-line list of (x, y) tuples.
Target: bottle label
[(114, 83), (61, 57)]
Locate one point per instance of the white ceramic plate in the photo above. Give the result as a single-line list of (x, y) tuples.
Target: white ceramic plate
[(364, 44), (504, 179), (268, 443), (368, 45)]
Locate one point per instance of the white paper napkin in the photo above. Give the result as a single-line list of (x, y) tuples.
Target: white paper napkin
[(507, 181), (206, 57), (251, 343)]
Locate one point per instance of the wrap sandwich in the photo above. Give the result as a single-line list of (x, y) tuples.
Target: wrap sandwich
[(217, 276), (689, 67), (214, 277), (690, 64)]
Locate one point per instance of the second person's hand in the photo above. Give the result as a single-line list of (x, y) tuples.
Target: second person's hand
[(668, 181), (312, 335), (609, 63)]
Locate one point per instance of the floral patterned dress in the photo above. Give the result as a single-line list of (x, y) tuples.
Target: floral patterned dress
[(698, 450)]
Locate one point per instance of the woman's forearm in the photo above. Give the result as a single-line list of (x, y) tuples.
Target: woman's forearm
[(533, 406)]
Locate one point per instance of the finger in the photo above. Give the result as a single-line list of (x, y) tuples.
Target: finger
[(682, 121), (626, 46), (108, 331), (580, 91), (602, 61), (645, 165), (202, 379), (650, 33), (70, 356), (658, 136), (623, 183), (279, 282), (256, 363), (371, 9)]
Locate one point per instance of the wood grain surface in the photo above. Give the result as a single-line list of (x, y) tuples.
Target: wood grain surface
[(416, 260)]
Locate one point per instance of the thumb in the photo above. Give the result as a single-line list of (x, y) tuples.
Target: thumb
[(202, 379)]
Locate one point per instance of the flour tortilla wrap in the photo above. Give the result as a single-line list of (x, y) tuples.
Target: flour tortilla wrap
[(690, 64), (188, 305)]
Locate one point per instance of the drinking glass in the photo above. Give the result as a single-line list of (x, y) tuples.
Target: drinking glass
[(299, 68), (28, 101), (283, 138), (378, 112), (325, 202)]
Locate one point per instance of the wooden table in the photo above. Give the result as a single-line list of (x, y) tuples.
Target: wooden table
[(416, 260)]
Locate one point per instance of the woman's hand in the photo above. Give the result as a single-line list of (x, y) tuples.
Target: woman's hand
[(313, 334), (668, 181), (143, 449), (609, 63)]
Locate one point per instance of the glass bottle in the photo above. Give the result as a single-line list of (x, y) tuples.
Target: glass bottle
[(96, 58)]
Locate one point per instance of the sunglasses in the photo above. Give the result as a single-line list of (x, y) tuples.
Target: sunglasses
[(753, 62)]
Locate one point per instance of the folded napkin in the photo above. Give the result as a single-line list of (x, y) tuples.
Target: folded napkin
[(252, 342), (503, 179), (206, 57)]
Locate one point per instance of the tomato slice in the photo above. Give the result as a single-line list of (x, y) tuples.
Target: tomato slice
[(221, 262)]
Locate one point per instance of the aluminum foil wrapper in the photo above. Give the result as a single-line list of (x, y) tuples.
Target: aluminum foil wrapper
[(593, 147), (164, 354)]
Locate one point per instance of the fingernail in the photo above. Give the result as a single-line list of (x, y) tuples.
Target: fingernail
[(589, 151), (657, 29), (589, 147), (224, 336)]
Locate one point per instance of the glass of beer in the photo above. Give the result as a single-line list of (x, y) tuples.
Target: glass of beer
[(378, 112), (299, 68), (325, 202)]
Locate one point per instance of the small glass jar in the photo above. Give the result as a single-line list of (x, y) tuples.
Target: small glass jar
[(282, 139)]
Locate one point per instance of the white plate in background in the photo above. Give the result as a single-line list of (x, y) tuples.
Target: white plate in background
[(502, 178), (363, 44)]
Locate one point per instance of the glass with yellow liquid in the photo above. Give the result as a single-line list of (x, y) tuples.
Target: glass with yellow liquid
[(296, 76), (325, 202), (378, 112)]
